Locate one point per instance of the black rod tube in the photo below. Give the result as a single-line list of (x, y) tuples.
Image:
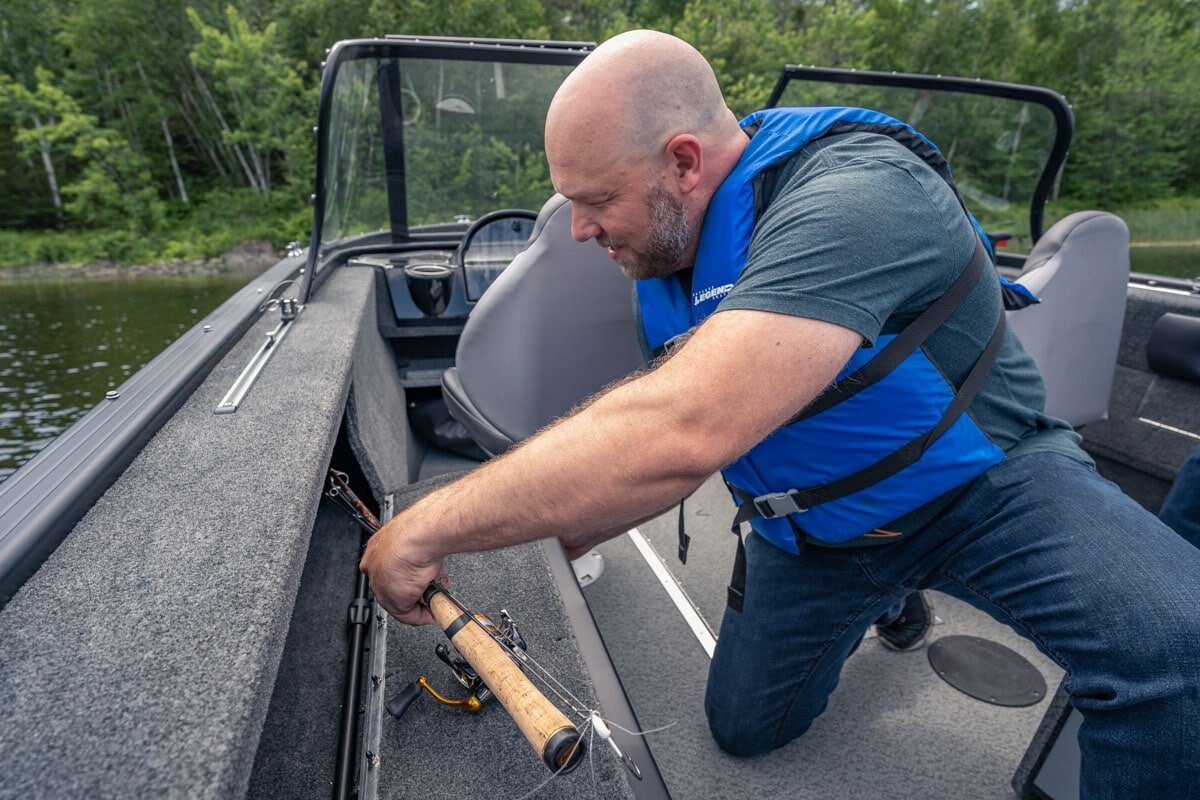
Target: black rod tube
[(360, 618)]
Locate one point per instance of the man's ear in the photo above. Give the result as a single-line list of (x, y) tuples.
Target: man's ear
[(685, 161)]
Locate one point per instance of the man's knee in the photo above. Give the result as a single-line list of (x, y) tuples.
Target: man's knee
[(746, 732), (733, 735)]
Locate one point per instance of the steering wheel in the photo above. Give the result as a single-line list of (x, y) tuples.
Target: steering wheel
[(508, 230), (492, 217)]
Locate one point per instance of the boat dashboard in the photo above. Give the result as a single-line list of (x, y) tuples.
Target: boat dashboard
[(437, 283), (428, 285)]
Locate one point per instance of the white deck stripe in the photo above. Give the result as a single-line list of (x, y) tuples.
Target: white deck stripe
[(1170, 428), (682, 602)]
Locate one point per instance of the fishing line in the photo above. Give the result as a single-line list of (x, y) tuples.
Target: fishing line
[(593, 721), (641, 733), (592, 757), (559, 771), (525, 660)]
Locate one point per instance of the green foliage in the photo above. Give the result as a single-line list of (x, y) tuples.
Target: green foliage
[(220, 221), (109, 183), (308, 27), (1137, 110), (501, 19), (1176, 220), (261, 88), (522, 178)]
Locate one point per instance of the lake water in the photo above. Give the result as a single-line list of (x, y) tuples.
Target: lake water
[(63, 344)]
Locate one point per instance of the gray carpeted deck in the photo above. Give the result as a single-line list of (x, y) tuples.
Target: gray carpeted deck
[(141, 660), (1140, 394), (892, 729)]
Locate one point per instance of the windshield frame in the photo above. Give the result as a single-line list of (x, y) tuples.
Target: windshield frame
[(1055, 103), (511, 51)]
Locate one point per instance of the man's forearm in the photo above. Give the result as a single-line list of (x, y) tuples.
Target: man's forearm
[(579, 542)]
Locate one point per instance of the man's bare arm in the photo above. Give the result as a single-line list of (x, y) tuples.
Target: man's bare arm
[(580, 542), (623, 458)]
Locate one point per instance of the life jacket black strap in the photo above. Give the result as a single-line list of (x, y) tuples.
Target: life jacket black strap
[(684, 540), (905, 343), (797, 501), (736, 593)]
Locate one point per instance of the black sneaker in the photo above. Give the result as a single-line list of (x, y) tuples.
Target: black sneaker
[(909, 630)]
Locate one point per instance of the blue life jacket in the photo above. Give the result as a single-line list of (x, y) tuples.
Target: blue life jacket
[(873, 447)]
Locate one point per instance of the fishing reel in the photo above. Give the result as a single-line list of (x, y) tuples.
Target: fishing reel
[(505, 634)]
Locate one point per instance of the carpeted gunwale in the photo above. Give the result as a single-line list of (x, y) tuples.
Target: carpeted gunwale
[(140, 659)]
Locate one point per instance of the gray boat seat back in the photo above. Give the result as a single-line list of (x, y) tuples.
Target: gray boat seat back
[(1080, 269), (555, 327)]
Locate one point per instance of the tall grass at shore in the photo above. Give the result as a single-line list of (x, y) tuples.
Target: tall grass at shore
[(1174, 222), (1165, 237), (206, 229)]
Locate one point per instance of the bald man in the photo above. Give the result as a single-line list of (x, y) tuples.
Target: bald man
[(824, 304)]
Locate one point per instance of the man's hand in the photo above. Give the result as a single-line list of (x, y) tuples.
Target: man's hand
[(398, 576)]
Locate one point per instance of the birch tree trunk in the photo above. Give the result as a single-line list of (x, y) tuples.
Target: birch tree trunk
[(212, 104), (263, 181), (183, 195), (201, 140), (48, 165), (162, 119), (44, 149)]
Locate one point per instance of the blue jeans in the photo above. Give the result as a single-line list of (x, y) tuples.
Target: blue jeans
[(1181, 509), (1042, 544)]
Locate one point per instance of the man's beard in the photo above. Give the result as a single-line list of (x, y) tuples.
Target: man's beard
[(668, 235)]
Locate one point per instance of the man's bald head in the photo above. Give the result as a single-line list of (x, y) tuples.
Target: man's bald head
[(636, 91), (639, 138)]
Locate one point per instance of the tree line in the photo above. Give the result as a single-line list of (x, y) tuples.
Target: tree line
[(134, 121)]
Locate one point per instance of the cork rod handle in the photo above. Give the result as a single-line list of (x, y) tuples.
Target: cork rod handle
[(553, 737)]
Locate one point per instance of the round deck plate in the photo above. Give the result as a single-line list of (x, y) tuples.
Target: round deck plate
[(987, 671)]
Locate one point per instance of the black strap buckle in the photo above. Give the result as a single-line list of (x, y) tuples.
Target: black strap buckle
[(779, 504), (735, 597)]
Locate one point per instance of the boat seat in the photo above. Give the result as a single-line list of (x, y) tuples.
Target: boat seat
[(555, 327), (1079, 269)]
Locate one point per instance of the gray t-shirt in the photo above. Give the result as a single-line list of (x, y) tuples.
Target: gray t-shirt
[(860, 232)]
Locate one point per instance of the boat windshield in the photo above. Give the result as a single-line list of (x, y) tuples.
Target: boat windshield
[(1005, 143), (418, 137)]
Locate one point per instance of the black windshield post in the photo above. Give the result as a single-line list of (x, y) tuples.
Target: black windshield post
[(391, 118), (1055, 103)]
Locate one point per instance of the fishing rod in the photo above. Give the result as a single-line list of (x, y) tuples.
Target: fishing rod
[(490, 660)]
